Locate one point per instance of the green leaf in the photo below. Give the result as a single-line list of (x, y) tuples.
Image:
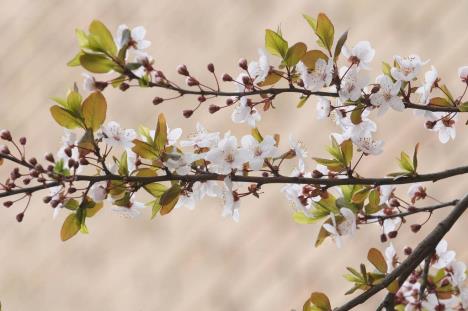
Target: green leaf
[(295, 54), (86, 143), (405, 162), (93, 209), (302, 101), (155, 208), (275, 44), (94, 110), (71, 204), (82, 39), (463, 107), (70, 227), (361, 195), (311, 21), (440, 102), (321, 301), (75, 61), (73, 103), (256, 134), (273, 77), (415, 157), (103, 36), (356, 116), (325, 30), (446, 91), (160, 137), (332, 165), (310, 58), (376, 258), (301, 218), (156, 189), (347, 151), (64, 117), (386, 69), (339, 45), (144, 150), (169, 199), (96, 63)]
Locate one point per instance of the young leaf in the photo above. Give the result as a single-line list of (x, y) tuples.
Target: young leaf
[(70, 227), (302, 219), (361, 195), (256, 134), (275, 44), (96, 63), (415, 157), (94, 209), (104, 37), (144, 150), (156, 207), (302, 101), (321, 301), (94, 110), (64, 117), (311, 21), (156, 189), (169, 199), (440, 102), (347, 151), (310, 58), (160, 137), (295, 54), (405, 162), (75, 61), (339, 45), (325, 31), (377, 259)]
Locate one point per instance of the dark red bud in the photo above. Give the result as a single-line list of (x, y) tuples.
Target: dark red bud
[(46, 199), (213, 108), (49, 157), (182, 70), (210, 68), (6, 135), (317, 174), (201, 98), (187, 113), (383, 238), (415, 228), (407, 250), (157, 100), (229, 102), (243, 63), (124, 86), (191, 81), (33, 161), (23, 141), (392, 234), (20, 217), (227, 77), (7, 203), (4, 150)]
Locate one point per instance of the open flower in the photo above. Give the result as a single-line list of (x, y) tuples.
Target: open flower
[(227, 156), (361, 54), (136, 39), (444, 125), (424, 91), (319, 77), (385, 193), (146, 64), (463, 73), (181, 163), (323, 108), (346, 227), (201, 139), (387, 96), (417, 192), (259, 70), (443, 257), (231, 200), (367, 145), (98, 191), (115, 136), (130, 211), (299, 151), (244, 113), (259, 151), (352, 83), (390, 258), (409, 67)]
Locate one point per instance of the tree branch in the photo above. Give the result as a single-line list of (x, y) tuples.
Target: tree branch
[(422, 251), (416, 211)]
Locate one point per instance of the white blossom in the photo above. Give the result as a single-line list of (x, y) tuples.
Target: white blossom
[(98, 191), (463, 73), (201, 139), (89, 83), (323, 107), (259, 70), (243, 113), (231, 203), (131, 211), (146, 64), (69, 140), (368, 145), (409, 67), (319, 77), (299, 151), (390, 224), (458, 271), (385, 193), (444, 257), (227, 156), (352, 83), (181, 163), (259, 151), (361, 54), (115, 136), (387, 96), (424, 91), (444, 125), (136, 39), (390, 257), (346, 227), (416, 192)]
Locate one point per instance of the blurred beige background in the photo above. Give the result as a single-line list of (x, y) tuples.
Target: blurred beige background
[(196, 260)]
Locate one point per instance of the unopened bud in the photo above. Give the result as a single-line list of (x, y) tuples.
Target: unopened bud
[(20, 217), (430, 124), (407, 250), (392, 234), (68, 151), (210, 68), (4, 150), (317, 174), (84, 161), (213, 108), (50, 157), (201, 98), (415, 228), (124, 86), (246, 80), (394, 202), (187, 113), (375, 89), (300, 83), (71, 190), (191, 81), (182, 70), (243, 63), (6, 135), (229, 102), (26, 181), (383, 238), (33, 161), (157, 100), (227, 77), (23, 141), (46, 199), (54, 203), (101, 85), (7, 203)]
